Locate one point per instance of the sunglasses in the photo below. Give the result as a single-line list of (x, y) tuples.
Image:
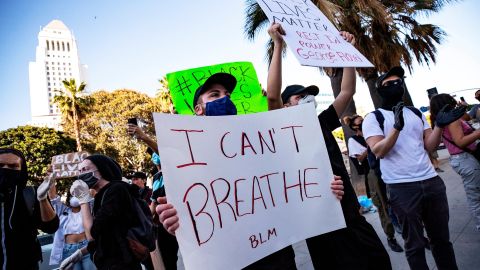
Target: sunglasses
[(392, 83)]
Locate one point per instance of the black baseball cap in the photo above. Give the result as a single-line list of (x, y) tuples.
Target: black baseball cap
[(398, 71), (141, 175), (297, 89), (227, 80)]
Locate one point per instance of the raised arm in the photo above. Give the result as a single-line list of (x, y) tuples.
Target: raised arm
[(274, 80), (138, 132), (348, 82)]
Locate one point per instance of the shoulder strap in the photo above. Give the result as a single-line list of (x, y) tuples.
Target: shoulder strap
[(103, 196), (416, 111), (380, 118), (360, 140), (29, 196)]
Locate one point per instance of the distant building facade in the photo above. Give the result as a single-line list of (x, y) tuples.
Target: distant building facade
[(56, 60), (324, 100)]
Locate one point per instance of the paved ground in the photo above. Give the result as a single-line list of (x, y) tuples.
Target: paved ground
[(466, 241)]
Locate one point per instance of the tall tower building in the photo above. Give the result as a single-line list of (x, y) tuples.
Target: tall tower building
[(56, 60)]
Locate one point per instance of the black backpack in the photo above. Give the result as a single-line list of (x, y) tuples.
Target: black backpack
[(141, 237)]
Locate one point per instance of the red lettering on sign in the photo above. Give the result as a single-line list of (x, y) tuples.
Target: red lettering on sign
[(293, 134), (190, 148), (222, 201), (192, 215), (223, 150)]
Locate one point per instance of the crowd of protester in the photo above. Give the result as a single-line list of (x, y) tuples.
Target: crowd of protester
[(391, 146)]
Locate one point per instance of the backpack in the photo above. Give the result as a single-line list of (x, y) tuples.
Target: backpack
[(373, 161), (142, 236)]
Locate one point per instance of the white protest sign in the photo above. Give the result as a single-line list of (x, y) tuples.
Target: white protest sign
[(246, 186), (312, 38), (66, 165)]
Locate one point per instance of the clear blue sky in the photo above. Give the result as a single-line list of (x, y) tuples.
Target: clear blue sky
[(132, 44)]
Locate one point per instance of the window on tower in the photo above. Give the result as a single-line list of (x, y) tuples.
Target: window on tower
[(63, 46), (58, 46), (48, 46), (53, 45), (68, 46)]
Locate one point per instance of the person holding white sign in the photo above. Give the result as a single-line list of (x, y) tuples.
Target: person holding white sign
[(357, 246), (213, 99)]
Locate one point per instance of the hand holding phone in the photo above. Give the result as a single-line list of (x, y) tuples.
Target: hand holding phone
[(132, 126), (132, 121)]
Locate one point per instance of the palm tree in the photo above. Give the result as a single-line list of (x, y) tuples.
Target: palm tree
[(386, 32), (163, 96), (73, 103)]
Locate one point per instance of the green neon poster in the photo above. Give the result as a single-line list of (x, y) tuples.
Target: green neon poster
[(247, 95)]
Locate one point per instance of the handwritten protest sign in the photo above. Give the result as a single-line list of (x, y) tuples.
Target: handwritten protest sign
[(66, 165), (313, 39), (247, 95), (246, 186)]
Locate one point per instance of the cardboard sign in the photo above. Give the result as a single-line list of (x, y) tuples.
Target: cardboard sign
[(66, 165), (313, 39), (246, 186), (247, 95)]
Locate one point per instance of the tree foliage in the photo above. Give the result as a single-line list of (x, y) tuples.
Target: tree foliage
[(74, 104), (163, 97), (104, 127), (39, 145), (387, 31)]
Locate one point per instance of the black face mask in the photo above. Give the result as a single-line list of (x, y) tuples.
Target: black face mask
[(88, 178), (10, 178), (391, 93)]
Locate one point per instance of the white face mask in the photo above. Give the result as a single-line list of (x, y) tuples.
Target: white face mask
[(74, 202), (308, 99)]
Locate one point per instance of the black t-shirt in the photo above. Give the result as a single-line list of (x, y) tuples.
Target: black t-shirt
[(329, 121)]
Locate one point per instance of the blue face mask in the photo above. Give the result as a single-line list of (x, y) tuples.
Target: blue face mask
[(156, 159), (221, 106)]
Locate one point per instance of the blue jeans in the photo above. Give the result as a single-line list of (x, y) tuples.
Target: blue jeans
[(86, 263), (468, 168), (423, 204)]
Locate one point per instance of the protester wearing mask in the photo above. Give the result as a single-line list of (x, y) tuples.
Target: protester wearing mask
[(357, 246), (460, 139), (213, 99), (416, 193), (113, 214), (358, 150), (70, 235), (23, 213)]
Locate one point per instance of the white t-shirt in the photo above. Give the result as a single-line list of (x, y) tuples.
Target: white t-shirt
[(355, 148), (408, 160)]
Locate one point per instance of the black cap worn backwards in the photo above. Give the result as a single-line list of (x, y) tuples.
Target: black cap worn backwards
[(398, 71), (297, 89), (228, 81)]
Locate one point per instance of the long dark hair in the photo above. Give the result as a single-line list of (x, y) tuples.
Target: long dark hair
[(436, 104)]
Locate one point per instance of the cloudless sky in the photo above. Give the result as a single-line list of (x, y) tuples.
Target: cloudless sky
[(132, 44)]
